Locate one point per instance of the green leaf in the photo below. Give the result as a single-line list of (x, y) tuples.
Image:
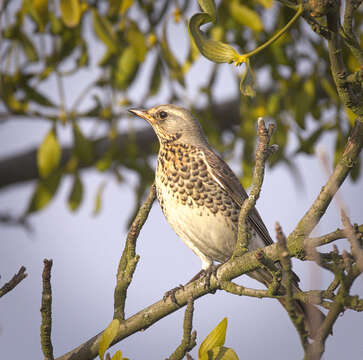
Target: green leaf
[(44, 192), (170, 59), (125, 5), (107, 337), (104, 31), (49, 154), (126, 67), (215, 338), (28, 47), (245, 16), (137, 40), (213, 50), (248, 82), (155, 80), (98, 198), (220, 353), (83, 148), (70, 12), (39, 10), (76, 194), (266, 3)]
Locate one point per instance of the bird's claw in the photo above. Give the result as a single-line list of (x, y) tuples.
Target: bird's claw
[(171, 294), (212, 270)]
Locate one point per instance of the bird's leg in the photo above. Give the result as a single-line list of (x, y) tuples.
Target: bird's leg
[(171, 294), (211, 270)]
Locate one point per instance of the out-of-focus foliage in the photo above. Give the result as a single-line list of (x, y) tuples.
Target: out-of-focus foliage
[(46, 43)]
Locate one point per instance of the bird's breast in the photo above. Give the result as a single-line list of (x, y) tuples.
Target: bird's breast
[(197, 208)]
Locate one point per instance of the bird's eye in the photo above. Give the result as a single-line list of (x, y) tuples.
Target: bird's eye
[(163, 115)]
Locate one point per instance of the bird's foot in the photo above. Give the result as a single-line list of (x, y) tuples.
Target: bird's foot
[(211, 270), (171, 294)]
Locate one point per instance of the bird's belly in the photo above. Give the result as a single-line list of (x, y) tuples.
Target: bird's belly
[(203, 231)]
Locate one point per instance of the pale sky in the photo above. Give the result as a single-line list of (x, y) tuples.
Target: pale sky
[(86, 250)]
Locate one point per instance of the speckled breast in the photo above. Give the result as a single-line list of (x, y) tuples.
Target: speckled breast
[(198, 209)]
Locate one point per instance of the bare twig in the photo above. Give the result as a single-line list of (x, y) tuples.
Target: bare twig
[(328, 238), (189, 337), (15, 280), (351, 235), (46, 311), (129, 259), (287, 281), (262, 152)]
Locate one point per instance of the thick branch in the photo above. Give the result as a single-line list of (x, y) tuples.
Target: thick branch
[(15, 280), (46, 311), (129, 259)]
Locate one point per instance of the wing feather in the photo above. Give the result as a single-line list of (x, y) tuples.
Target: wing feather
[(226, 178)]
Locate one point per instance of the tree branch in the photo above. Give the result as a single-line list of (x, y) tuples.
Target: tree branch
[(46, 311), (22, 167), (262, 153), (189, 337), (238, 265), (129, 259), (15, 280), (321, 203)]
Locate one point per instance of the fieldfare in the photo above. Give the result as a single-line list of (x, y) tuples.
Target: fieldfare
[(199, 194)]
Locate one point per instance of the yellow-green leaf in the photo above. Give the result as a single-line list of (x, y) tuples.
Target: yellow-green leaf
[(82, 146), (245, 16), (125, 5), (216, 51), (137, 40), (104, 31), (28, 46), (98, 199), (44, 192), (118, 356), (248, 82), (171, 61), (49, 154), (265, 3), (220, 353), (215, 338), (76, 195), (155, 80), (70, 12), (39, 8), (107, 337), (126, 66)]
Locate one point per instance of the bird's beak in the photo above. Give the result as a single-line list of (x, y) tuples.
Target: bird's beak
[(143, 114)]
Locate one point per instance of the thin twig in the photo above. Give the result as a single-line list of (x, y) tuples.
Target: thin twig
[(129, 259), (189, 337), (262, 152), (351, 235), (328, 238), (287, 281), (46, 311), (15, 280)]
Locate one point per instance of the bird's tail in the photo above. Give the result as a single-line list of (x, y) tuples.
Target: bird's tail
[(313, 317)]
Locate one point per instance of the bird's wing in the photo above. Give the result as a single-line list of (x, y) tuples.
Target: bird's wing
[(226, 178)]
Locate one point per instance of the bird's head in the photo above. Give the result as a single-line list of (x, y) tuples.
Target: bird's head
[(173, 123)]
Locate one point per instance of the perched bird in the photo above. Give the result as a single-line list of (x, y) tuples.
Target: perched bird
[(199, 194)]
